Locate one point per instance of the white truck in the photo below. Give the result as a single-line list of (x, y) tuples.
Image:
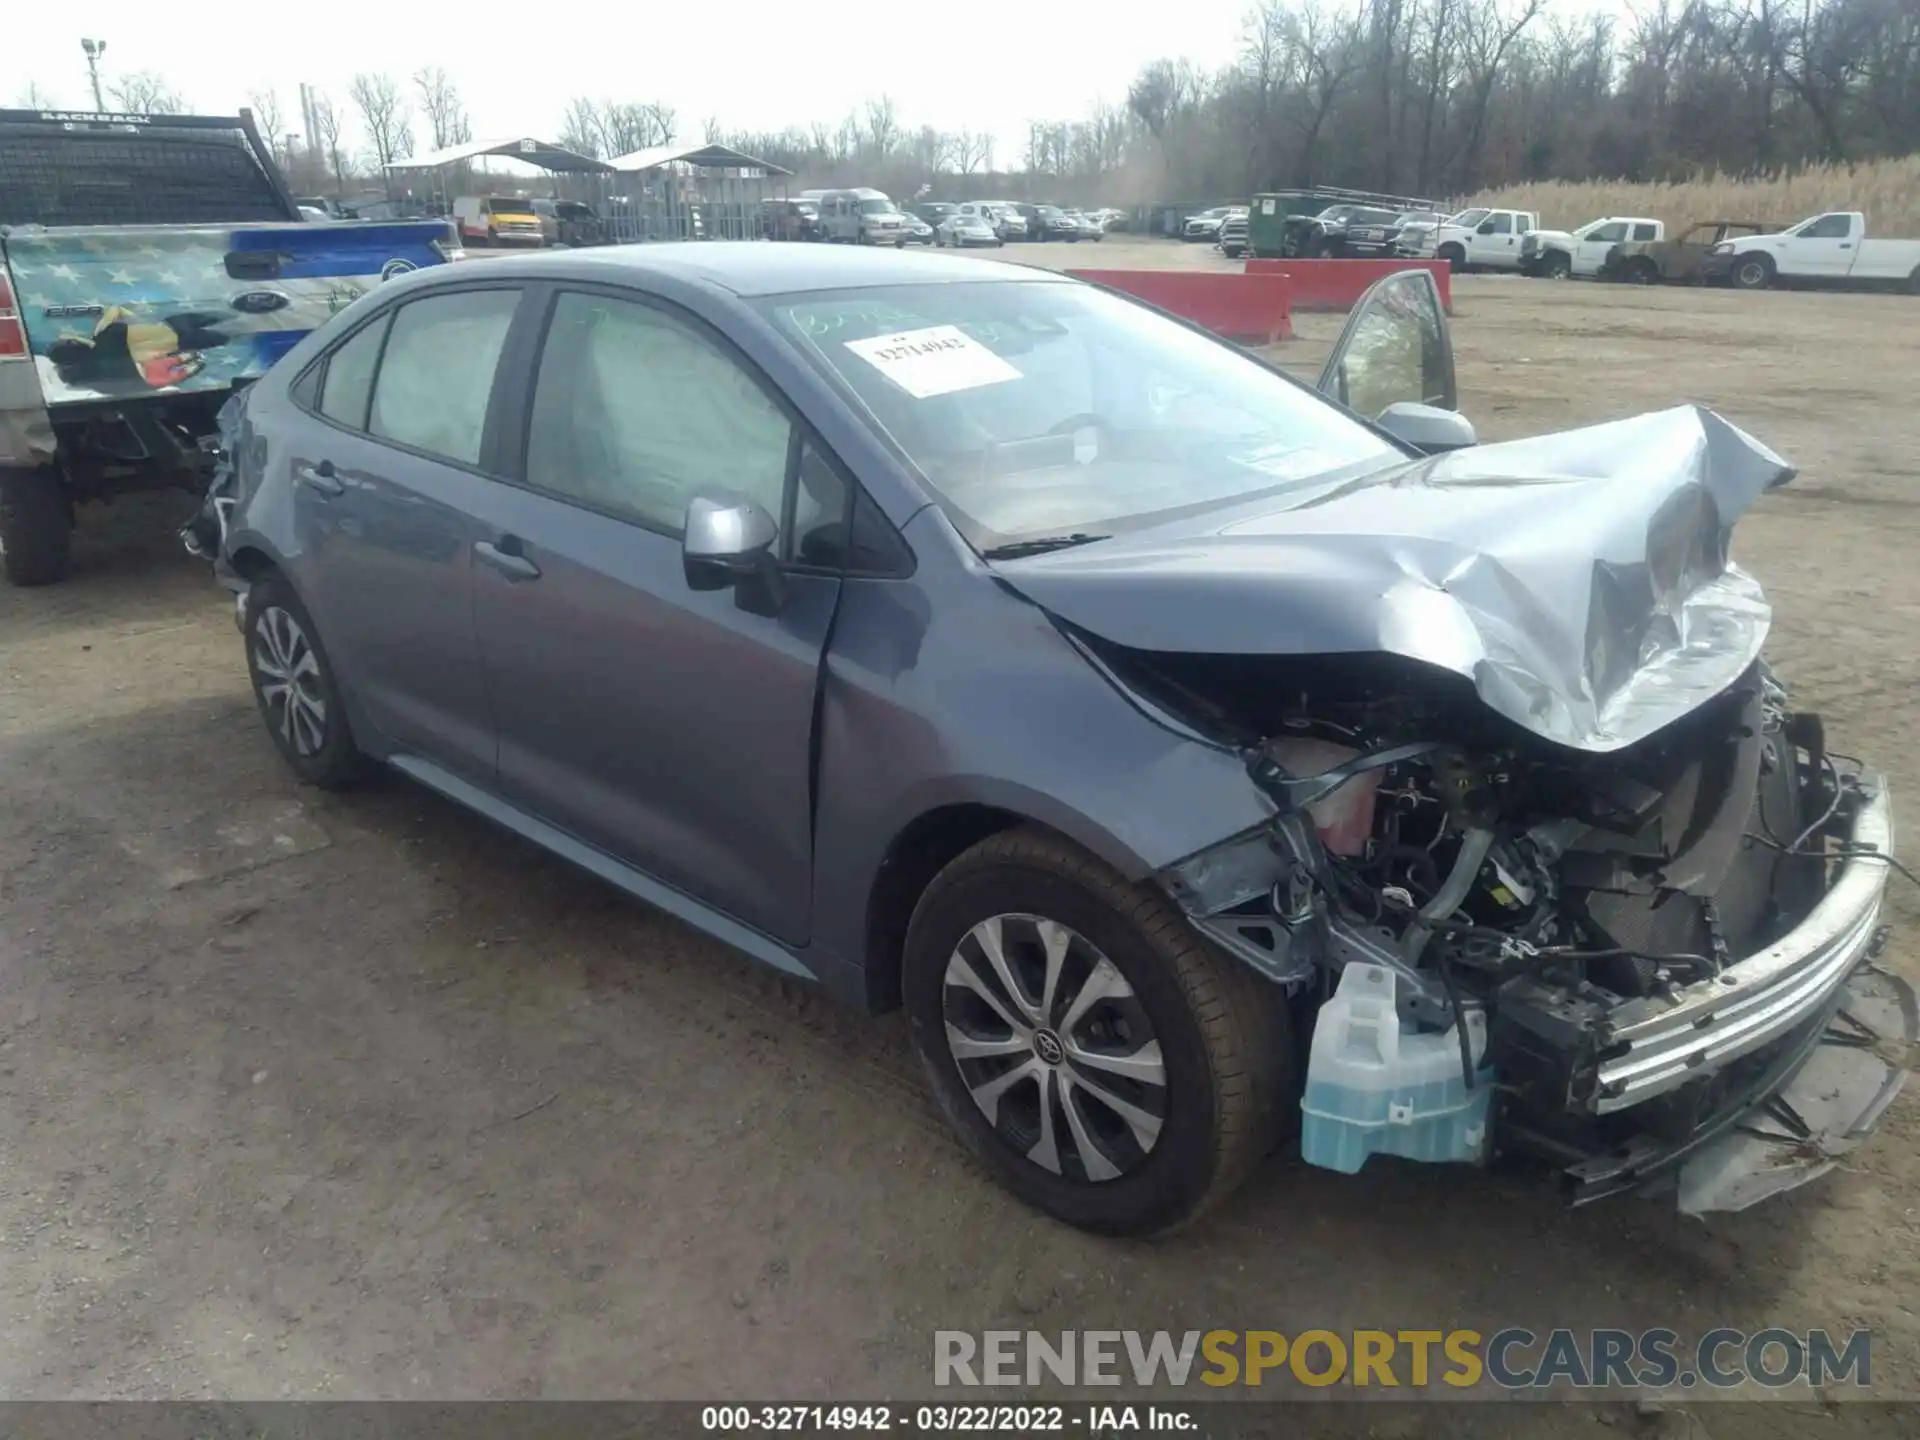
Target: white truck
[(1558, 254), (1831, 250), (1481, 239)]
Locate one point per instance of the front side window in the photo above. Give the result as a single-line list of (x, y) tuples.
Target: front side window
[(1468, 217), (1608, 234), (1502, 225), (437, 373), (1039, 409), (636, 413), (1829, 227)]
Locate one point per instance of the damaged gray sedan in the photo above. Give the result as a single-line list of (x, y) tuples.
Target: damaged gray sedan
[(1203, 761)]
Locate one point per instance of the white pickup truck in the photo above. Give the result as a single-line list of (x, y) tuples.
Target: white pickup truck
[(1558, 254), (1480, 239), (1831, 249)]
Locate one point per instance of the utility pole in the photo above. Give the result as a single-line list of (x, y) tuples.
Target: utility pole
[(95, 49)]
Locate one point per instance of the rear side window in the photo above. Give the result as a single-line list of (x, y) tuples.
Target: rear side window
[(437, 373), (348, 385), (1646, 232)]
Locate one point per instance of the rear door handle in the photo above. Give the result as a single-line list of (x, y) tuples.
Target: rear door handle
[(319, 476), (506, 558)]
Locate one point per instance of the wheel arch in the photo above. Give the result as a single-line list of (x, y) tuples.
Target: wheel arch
[(924, 847)]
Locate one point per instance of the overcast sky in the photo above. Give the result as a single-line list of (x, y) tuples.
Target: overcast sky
[(756, 64)]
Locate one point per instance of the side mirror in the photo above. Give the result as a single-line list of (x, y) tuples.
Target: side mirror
[(730, 543), (1427, 428)]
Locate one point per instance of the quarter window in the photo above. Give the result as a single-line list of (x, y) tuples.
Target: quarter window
[(637, 413), (349, 380), (437, 373)]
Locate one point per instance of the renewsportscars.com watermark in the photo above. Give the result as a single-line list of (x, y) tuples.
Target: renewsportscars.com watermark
[(1510, 1359)]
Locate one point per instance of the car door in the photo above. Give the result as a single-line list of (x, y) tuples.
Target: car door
[(664, 724), (1825, 245), (1396, 349), (1494, 241), (383, 493), (1590, 251)]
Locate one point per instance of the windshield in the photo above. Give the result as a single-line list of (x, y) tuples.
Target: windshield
[(1040, 409), (509, 207), (876, 207), (1468, 217)]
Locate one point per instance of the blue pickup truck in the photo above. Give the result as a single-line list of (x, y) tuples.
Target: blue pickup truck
[(149, 266)]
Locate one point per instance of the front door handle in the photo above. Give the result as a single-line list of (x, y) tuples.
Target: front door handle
[(319, 476), (506, 558)]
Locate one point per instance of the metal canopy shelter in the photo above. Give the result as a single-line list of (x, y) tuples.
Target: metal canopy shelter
[(693, 192), (449, 166)]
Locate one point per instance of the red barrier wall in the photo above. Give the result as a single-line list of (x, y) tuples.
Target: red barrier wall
[(1253, 308), (1339, 284)]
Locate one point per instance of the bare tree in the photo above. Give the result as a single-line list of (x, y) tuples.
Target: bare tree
[(883, 125), (664, 121), (440, 102), (387, 118), (265, 105), (145, 93), (32, 97), (326, 138), (584, 129)]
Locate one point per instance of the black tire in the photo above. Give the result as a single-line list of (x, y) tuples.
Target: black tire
[(1753, 272), (36, 526), (1224, 1038), (333, 760), (1556, 265), (1455, 256), (1641, 271)]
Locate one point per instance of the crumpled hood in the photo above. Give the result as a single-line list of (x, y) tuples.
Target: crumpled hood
[(1580, 580)]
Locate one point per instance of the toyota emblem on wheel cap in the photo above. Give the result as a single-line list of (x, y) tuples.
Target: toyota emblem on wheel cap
[(1047, 1046)]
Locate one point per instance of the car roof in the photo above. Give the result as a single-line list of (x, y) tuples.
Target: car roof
[(751, 267)]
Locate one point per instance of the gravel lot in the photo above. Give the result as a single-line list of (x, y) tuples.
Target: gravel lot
[(355, 1096)]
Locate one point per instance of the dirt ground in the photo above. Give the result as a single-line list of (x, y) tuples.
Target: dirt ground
[(355, 1096)]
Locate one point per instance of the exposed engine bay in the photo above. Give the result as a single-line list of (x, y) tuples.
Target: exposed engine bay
[(1636, 930)]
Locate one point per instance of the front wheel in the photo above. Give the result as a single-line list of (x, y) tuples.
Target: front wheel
[(1753, 272), (1556, 265), (36, 526), (1106, 1064), (1455, 256), (295, 689)]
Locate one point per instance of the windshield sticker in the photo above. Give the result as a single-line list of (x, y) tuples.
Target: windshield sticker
[(935, 361)]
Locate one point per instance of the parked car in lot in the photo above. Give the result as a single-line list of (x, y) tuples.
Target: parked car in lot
[(1679, 261), (1325, 235), (1206, 225), (1111, 221), (1831, 251), (503, 220), (149, 266), (861, 217), (1233, 236), (1007, 221), (1481, 239), (1559, 254), (1123, 707), (1372, 238), (918, 231), (962, 229), (1090, 228), (791, 220), (1048, 222)]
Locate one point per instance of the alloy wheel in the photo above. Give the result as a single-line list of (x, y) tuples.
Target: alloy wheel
[(1054, 1047), (288, 674)]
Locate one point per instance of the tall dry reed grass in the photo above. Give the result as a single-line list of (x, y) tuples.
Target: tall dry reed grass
[(1887, 190)]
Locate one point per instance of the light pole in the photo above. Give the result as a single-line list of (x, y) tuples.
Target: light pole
[(95, 49)]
